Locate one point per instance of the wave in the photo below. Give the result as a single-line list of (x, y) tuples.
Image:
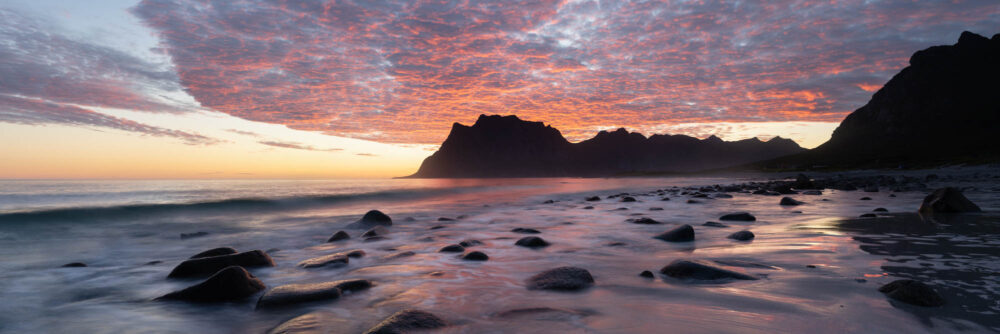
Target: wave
[(222, 205)]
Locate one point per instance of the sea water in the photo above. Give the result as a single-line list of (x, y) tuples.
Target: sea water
[(819, 265)]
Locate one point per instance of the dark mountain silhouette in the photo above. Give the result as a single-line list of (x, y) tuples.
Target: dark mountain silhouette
[(506, 146), (943, 108)]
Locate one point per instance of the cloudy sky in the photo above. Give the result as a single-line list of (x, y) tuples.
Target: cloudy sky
[(179, 88)]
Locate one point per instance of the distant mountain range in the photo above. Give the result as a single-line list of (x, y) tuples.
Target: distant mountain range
[(506, 146), (943, 108)]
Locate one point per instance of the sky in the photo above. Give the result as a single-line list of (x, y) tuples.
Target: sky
[(325, 89)]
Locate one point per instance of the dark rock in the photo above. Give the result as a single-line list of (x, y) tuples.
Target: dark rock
[(739, 216), (593, 199), (644, 221), (665, 199), (681, 233), (812, 192), (880, 210), (646, 274), (789, 201), (377, 231), (74, 265), (340, 235), (372, 218), (357, 253), (947, 200), (588, 207), (333, 260), (532, 242), (193, 235), (866, 198), (912, 292), (803, 182), (452, 249), (723, 196), (437, 227), (475, 256), (215, 252), (470, 243), (714, 224), (445, 219), (562, 278), (375, 238), (698, 270), (205, 266), (655, 209), (741, 235), (548, 202), (867, 215), (525, 230), (628, 199), (407, 321), (229, 284), (290, 294), (691, 201)]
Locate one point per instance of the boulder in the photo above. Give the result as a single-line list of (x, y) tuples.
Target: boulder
[(947, 200), (406, 321), (532, 242), (788, 201), (562, 278), (340, 235), (741, 235), (215, 252), (475, 256), (697, 270), (679, 234), (333, 260), (912, 292), (370, 219), (739, 216), (301, 293), (646, 274), (229, 284), (206, 266)]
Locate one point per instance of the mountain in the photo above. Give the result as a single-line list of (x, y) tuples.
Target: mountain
[(506, 146), (942, 108)]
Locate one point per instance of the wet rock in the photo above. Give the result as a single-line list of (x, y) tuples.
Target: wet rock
[(588, 207), (372, 218), (407, 321), (646, 274), (398, 255), (788, 201), (562, 278), (593, 199), (880, 210), (205, 266), (475, 256), (74, 265), (714, 224), (739, 216), (340, 235), (470, 242), (193, 235), (445, 219), (866, 198), (698, 270), (681, 233), (812, 192), (655, 209), (315, 322), (452, 249), (437, 227), (215, 252), (644, 221), (947, 200), (301, 293), (377, 231), (868, 215), (525, 230), (532, 242), (333, 260), (229, 284), (912, 292), (803, 182), (357, 253), (665, 199), (741, 235), (691, 201), (375, 238), (628, 199), (723, 196), (548, 202)]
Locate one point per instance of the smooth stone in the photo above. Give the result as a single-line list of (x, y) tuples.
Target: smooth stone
[(947, 200), (407, 321), (588, 207), (316, 322), (333, 260), (912, 292), (531, 242), (866, 198), (644, 221), (741, 235), (880, 210), (215, 252), (452, 249), (370, 219), (681, 233), (193, 235), (206, 266), (788, 201), (698, 270), (340, 235), (74, 265), (525, 230), (739, 216), (628, 199), (715, 224), (475, 256), (562, 279), (301, 293), (867, 215), (229, 284), (646, 274)]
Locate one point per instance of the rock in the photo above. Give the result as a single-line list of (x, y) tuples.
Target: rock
[(803, 182), (333, 260), (868, 215), (525, 230), (947, 200), (340, 235), (475, 256), (679, 234), (397, 255), (912, 292), (646, 274), (789, 201), (532, 242), (206, 266), (698, 270), (313, 323), (741, 235), (562, 278), (812, 192), (470, 242), (739, 216), (232, 283), (377, 231), (406, 321), (357, 253), (452, 249), (892, 195), (74, 265), (665, 199), (548, 201), (301, 293), (723, 196), (644, 221), (372, 218), (655, 209), (375, 238), (445, 219), (866, 198), (628, 199), (880, 210), (588, 207), (593, 199), (193, 235), (215, 252), (714, 224), (691, 201), (437, 227)]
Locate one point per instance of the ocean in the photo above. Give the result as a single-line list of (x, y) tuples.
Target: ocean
[(818, 265)]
